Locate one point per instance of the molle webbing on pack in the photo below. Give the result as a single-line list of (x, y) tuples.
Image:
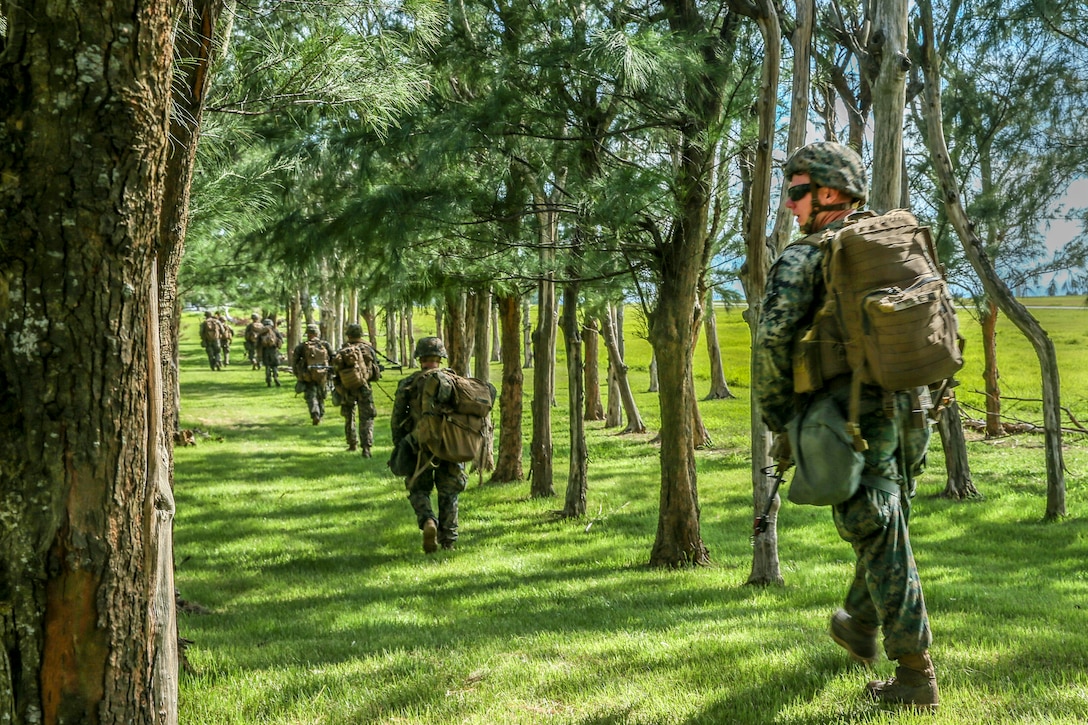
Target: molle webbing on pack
[(888, 318)]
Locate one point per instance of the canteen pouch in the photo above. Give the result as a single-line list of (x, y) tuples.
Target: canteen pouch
[(827, 467)]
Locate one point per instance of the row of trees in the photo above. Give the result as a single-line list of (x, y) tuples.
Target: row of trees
[(581, 153)]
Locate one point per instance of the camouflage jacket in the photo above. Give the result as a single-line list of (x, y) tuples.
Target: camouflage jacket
[(794, 291)]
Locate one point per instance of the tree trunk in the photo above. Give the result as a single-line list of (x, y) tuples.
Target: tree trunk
[(719, 388), (654, 383), (959, 485), (540, 450), (995, 287), (456, 338), (577, 477), (370, 319), (990, 374), (482, 365), (683, 259), (889, 41), (527, 316), (765, 566), (85, 558), (594, 404), (392, 333), (508, 465), (196, 49), (623, 384), (496, 337)]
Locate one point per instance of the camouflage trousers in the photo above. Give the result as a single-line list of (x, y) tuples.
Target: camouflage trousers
[(359, 412), (449, 480), (270, 358), (886, 591), (314, 393), (214, 354)]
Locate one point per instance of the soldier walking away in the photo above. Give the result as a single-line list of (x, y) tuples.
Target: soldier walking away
[(270, 342), (826, 183), (211, 340), (226, 335), (354, 368), (446, 477), (250, 336), (310, 363)]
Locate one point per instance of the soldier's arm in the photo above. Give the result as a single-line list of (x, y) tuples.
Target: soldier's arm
[(789, 298)]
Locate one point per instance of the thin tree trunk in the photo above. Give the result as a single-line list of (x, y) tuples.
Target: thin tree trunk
[(392, 332), (370, 319), (654, 383), (456, 333), (527, 316), (995, 287), (508, 465), (719, 388), (990, 374), (540, 450), (482, 365), (959, 485), (594, 404), (765, 566), (623, 384), (578, 472)]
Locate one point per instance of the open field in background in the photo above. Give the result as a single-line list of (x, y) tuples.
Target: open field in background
[(320, 606)]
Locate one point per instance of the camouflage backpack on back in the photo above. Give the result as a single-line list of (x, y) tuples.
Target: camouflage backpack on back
[(315, 362), (356, 366), (453, 415)]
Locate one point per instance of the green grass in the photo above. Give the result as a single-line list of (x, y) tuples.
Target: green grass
[(323, 608)]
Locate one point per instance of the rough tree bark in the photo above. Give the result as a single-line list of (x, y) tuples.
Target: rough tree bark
[(590, 341), (765, 566), (959, 485), (508, 464), (990, 374), (85, 499), (574, 505)]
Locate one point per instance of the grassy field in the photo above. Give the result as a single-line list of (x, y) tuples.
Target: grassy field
[(320, 607)]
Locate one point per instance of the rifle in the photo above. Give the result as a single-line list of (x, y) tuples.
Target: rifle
[(394, 365), (783, 462)]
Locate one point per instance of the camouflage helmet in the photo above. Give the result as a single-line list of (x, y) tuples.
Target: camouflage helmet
[(830, 165), (266, 322), (313, 329), (207, 313), (254, 317), (430, 347), (354, 331)]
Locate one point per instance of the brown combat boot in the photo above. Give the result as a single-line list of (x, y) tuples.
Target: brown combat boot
[(858, 640), (914, 684), (430, 536)]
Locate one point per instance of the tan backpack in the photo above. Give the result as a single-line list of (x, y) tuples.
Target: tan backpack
[(315, 362), (888, 317), (356, 367), (454, 416)]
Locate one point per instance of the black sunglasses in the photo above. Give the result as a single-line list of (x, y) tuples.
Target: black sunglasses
[(798, 192)]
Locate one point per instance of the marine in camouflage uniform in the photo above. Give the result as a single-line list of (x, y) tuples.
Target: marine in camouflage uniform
[(357, 405), (226, 336), (446, 477), (314, 391), (249, 340), (270, 356), (210, 333), (827, 182)]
